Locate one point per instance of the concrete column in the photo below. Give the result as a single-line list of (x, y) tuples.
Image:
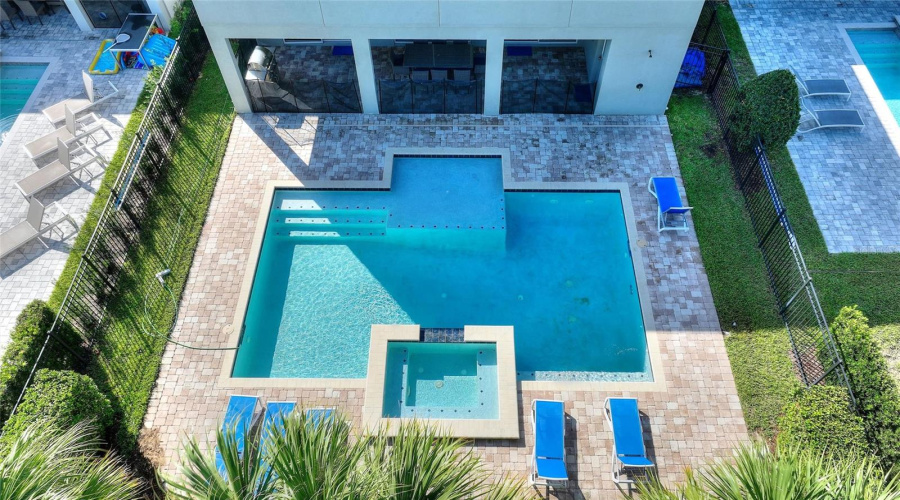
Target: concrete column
[(80, 16), (233, 76), (493, 75), (365, 75), (163, 19)]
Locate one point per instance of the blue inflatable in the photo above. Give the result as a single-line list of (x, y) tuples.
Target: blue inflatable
[(692, 70), (157, 49)]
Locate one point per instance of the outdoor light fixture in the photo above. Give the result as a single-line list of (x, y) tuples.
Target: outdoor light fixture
[(640, 86)]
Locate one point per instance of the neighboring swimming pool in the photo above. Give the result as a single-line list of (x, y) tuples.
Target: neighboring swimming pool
[(17, 82), (444, 248), (880, 52)]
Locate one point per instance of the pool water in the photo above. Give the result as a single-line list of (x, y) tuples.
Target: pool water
[(17, 82), (441, 380), (555, 266), (880, 52)]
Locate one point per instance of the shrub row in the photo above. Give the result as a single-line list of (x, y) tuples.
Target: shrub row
[(63, 398), (876, 392), (26, 342), (768, 107), (821, 419)]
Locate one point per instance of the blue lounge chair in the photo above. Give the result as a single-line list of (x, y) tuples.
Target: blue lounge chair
[(548, 462), (319, 415), (672, 214), (628, 438), (275, 413), (238, 416)]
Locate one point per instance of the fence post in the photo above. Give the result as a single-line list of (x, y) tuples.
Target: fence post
[(723, 59), (712, 20)]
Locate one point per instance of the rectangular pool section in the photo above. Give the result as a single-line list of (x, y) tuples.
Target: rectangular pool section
[(444, 248), (880, 52), (441, 380), (17, 82)]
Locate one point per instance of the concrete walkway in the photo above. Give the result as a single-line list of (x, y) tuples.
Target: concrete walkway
[(850, 176), (31, 272)]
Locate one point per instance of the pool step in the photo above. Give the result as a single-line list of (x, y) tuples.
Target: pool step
[(328, 224)]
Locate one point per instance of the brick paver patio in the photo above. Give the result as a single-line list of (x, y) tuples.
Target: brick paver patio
[(849, 175), (697, 418), (30, 272)]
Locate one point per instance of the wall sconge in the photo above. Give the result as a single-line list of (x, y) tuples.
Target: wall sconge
[(639, 86), (651, 53)]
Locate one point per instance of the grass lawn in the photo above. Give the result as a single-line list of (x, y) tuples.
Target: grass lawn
[(142, 312), (758, 346)]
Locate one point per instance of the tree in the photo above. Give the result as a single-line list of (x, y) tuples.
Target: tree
[(305, 460), (45, 462), (769, 107)]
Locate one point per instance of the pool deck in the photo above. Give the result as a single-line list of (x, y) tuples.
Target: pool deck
[(31, 272), (693, 417), (850, 176)]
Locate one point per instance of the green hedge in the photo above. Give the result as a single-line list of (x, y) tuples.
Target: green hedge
[(768, 107), (25, 344), (877, 396), (63, 397), (822, 419)]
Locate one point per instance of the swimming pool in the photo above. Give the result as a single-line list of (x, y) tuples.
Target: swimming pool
[(444, 248), (17, 82), (880, 52)]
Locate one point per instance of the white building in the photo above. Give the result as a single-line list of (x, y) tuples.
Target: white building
[(451, 56)]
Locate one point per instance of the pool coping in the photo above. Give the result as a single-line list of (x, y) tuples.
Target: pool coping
[(506, 426), (51, 63), (509, 183), (889, 122)]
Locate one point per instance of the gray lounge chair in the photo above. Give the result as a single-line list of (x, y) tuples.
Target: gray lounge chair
[(821, 87), (462, 75), (829, 118), (31, 228), (438, 75), (62, 168), (419, 75), (87, 100), (72, 131), (27, 10)]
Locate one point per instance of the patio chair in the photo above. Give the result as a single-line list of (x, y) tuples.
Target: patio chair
[(239, 416), (27, 10), (462, 75), (61, 168), (829, 118), (31, 228), (72, 131), (87, 100), (671, 214), (438, 75), (419, 75), (548, 460), (628, 438), (274, 420), (821, 86), (4, 17), (320, 415)]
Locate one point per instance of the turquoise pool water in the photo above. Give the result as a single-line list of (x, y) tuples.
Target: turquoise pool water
[(441, 380), (556, 266), (880, 52), (17, 82)]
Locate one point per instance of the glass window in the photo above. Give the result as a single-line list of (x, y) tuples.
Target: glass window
[(112, 13)]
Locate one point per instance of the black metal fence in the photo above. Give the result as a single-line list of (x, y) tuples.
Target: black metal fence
[(431, 97), (102, 273), (547, 96), (816, 356)]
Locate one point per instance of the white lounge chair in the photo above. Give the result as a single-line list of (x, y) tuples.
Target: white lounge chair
[(90, 98), (628, 451), (72, 131), (548, 459), (62, 168), (821, 86), (31, 228), (671, 214), (828, 118)]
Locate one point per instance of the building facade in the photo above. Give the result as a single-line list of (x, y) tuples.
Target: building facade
[(450, 56)]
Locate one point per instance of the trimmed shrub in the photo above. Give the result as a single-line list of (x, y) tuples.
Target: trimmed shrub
[(821, 419), (768, 107), (877, 397), (64, 398), (25, 344)]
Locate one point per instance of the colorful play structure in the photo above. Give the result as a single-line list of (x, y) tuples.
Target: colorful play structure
[(154, 52)]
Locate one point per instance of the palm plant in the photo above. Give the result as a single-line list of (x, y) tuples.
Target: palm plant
[(46, 462), (305, 460), (788, 473)]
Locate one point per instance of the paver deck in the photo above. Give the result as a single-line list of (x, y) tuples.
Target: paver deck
[(697, 418), (849, 175), (31, 272)]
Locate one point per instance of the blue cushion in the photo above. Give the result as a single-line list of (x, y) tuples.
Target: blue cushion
[(342, 50), (238, 416), (627, 432), (551, 468), (667, 194), (319, 415), (519, 50), (549, 438)]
